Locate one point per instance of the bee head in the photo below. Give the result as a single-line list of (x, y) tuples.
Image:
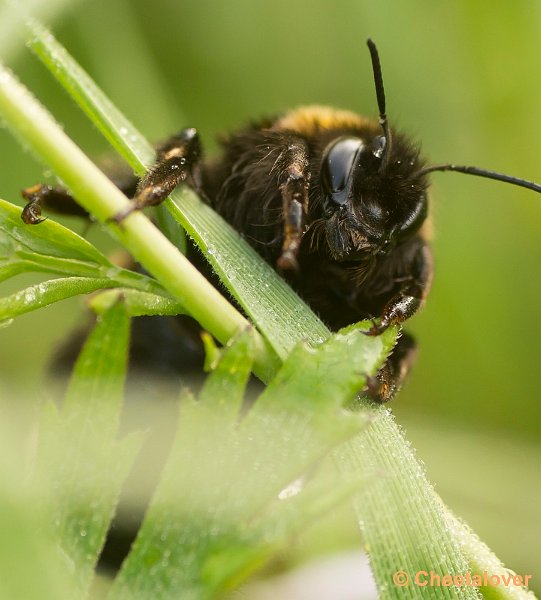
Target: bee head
[(372, 188), (371, 198)]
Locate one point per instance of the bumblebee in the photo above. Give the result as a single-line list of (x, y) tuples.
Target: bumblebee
[(337, 202)]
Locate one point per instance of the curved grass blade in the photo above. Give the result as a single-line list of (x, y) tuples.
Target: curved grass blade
[(49, 292), (224, 388), (137, 303), (55, 249), (50, 238), (31, 564), (79, 456)]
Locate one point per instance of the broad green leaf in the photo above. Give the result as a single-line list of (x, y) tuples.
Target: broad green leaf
[(303, 502), (79, 456), (218, 512), (302, 409), (321, 379)]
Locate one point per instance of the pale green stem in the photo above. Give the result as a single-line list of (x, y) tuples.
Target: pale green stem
[(97, 194)]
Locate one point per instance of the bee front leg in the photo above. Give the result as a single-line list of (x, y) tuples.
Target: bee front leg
[(58, 200), (294, 186), (414, 287), (178, 161), (45, 196), (386, 383)]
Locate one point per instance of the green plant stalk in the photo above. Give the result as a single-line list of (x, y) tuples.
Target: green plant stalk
[(97, 194)]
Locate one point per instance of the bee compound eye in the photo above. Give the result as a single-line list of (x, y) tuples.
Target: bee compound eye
[(339, 160), (415, 217)]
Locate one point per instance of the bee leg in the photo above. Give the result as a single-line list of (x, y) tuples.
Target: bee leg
[(295, 179), (178, 161), (383, 386), (413, 291), (60, 201), (45, 196), (398, 310)]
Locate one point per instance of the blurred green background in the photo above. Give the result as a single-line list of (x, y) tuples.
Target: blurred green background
[(462, 77)]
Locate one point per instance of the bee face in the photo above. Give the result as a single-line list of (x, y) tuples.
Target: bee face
[(370, 200)]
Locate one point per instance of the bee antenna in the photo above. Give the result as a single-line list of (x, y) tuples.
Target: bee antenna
[(482, 173), (380, 94)]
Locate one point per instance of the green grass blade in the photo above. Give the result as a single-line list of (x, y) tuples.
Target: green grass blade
[(117, 130), (56, 249), (32, 566), (27, 262), (224, 387), (484, 563), (279, 313), (49, 239), (97, 383), (13, 14), (48, 292), (137, 303), (53, 248), (79, 456), (403, 524)]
